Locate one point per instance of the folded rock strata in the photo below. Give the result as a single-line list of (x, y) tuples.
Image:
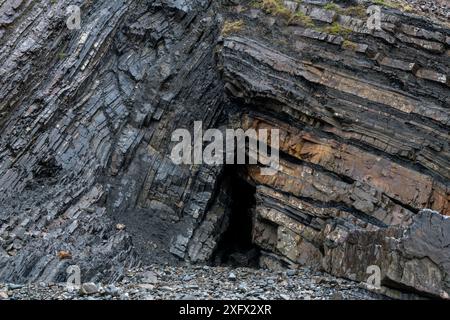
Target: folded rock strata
[(86, 118)]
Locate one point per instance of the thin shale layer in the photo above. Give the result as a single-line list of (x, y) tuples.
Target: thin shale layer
[(86, 118)]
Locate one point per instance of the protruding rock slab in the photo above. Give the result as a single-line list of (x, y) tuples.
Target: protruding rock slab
[(415, 258)]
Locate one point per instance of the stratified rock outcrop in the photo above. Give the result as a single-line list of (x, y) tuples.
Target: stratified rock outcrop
[(86, 118), (364, 119)]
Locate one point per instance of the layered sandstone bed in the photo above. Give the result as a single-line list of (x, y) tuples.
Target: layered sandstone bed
[(86, 118)]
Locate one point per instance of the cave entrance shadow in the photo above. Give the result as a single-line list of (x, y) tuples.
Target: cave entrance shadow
[(236, 247)]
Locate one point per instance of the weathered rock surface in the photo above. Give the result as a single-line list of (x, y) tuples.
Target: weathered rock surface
[(410, 259), (86, 118)]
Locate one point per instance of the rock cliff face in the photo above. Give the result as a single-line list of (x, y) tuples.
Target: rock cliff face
[(86, 118)]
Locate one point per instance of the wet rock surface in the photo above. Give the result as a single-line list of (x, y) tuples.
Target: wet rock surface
[(204, 283)]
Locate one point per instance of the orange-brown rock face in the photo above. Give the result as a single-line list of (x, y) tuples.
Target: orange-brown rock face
[(364, 139)]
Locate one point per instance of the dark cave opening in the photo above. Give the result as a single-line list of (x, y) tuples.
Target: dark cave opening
[(236, 247)]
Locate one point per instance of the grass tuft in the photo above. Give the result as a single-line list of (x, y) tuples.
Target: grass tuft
[(301, 19), (230, 27), (274, 7), (337, 29), (355, 11), (332, 6), (347, 44)]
